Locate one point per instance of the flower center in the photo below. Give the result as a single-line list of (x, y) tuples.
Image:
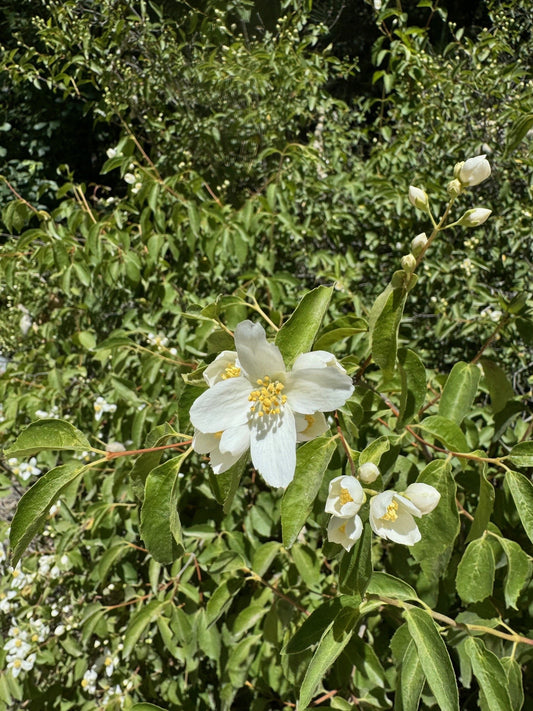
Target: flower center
[(268, 398), (342, 529), (392, 512), (232, 371), (17, 663), (84, 683), (344, 497), (310, 422)]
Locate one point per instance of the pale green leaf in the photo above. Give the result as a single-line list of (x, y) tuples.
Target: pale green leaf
[(490, 675), (475, 572), (522, 492), (411, 679), (459, 392), (139, 622), (45, 435), (518, 571), (445, 431), (514, 682), (413, 380), (522, 454)]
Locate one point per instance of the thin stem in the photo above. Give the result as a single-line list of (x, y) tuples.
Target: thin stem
[(131, 452)]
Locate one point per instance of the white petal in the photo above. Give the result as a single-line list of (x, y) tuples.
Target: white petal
[(273, 449), (310, 426), (203, 443), (257, 356), (221, 462), (322, 389), (224, 405), (235, 440), (345, 531), (213, 372), (316, 359), (424, 496), (404, 530)]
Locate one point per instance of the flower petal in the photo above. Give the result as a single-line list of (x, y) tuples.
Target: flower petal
[(424, 496), (203, 443), (345, 531), (224, 405), (273, 449), (257, 356), (222, 461), (235, 440), (310, 426), (213, 372), (317, 389), (316, 359)]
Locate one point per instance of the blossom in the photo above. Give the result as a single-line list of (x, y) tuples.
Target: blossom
[(88, 682), (392, 514), (473, 171), (345, 498), (254, 402), (345, 531), (18, 664), (368, 472), (475, 217), (101, 406), (418, 244), (418, 198)]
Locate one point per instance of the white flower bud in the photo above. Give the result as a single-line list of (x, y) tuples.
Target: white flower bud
[(129, 178), (111, 152), (475, 217), (368, 472), (423, 496), (474, 171), (345, 498), (418, 244), (418, 198), (408, 263), (454, 187)]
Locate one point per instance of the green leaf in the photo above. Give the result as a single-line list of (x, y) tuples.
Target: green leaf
[(434, 659), (384, 320), (160, 523), (445, 431), (414, 387), (518, 571), (475, 572), (313, 627), (484, 507), (518, 132), (522, 492), (34, 505), (459, 392), (148, 461), (490, 675), (139, 622), (335, 335), (298, 334), (225, 485), (45, 435), (376, 449), (333, 641), (389, 586), (500, 389), (411, 679), (514, 682), (356, 565), (312, 459), (521, 454)]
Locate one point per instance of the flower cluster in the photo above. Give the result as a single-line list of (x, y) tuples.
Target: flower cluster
[(391, 515), (19, 655), (24, 469), (254, 403)]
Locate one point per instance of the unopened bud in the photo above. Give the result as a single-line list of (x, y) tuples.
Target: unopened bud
[(368, 472), (475, 217), (418, 198), (418, 244), (115, 447), (454, 187), (457, 169), (474, 171), (408, 263)]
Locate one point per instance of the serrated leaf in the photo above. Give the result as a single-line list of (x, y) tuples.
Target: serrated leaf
[(434, 659), (445, 431), (414, 387), (34, 505), (298, 334), (459, 392), (333, 641), (160, 524), (490, 675), (46, 435), (518, 571), (312, 459), (522, 492), (475, 572)]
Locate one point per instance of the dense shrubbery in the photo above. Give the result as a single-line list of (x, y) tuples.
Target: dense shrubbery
[(223, 170)]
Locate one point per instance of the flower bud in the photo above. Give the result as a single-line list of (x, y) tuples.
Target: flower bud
[(474, 171), (408, 263), (418, 244), (454, 188), (418, 198), (475, 217), (368, 472), (457, 169)]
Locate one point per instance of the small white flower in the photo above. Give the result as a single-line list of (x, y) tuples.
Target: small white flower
[(475, 217), (109, 663), (474, 171), (5, 601), (17, 647), (59, 630), (368, 472), (130, 178), (392, 515), (253, 400), (345, 498), (88, 682), (111, 152), (16, 664), (345, 531), (418, 198), (101, 406)]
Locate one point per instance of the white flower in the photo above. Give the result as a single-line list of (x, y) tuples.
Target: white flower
[(109, 663), (418, 198), (88, 682), (28, 469), (130, 178), (392, 514), (16, 664), (253, 401), (345, 498), (158, 341), (345, 531), (111, 152), (368, 472), (17, 647), (474, 171), (5, 601), (475, 217), (101, 406)]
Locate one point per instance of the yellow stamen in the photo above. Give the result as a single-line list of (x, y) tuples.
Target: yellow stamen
[(392, 512), (84, 683), (268, 397), (17, 663), (344, 497), (342, 528), (232, 371)]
